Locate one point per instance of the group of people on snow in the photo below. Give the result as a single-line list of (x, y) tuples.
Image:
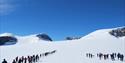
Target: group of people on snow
[(89, 55), (29, 59), (112, 56)]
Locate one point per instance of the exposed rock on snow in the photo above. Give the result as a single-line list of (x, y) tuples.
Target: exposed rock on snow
[(44, 37), (72, 38), (7, 40), (119, 32)]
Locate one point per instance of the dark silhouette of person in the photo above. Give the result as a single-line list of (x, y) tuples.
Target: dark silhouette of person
[(115, 55), (37, 57), (14, 61), (25, 60), (97, 55), (40, 55), (105, 57), (87, 55), (100, 55), (53, 51), (46, 54), (91, 56), (30, 59), (112, 56), (118, 56), (4, 61), (121, 57), (16, 58), (20, 60), (33, 57)]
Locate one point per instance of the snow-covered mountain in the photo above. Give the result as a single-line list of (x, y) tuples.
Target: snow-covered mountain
[(67, 51), (10, 39)]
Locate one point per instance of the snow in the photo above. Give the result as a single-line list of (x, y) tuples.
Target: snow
[(27, 39), (6, 34), (73, 51)]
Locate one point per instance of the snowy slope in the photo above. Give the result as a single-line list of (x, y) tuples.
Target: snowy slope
[(70, 51)]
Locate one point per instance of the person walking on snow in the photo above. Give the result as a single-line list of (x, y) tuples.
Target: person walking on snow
[(4, 61)]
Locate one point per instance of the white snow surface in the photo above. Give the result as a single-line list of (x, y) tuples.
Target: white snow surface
[(67, 51), (6, 34)]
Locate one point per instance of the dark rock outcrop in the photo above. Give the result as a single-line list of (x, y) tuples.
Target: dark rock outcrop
[(7, 40), (72, 38), (119, 32), (44, 37)]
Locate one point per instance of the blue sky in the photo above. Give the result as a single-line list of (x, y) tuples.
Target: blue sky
[(60, 18)]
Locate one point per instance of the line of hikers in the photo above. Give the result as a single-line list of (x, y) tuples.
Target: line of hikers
[(112, 56), (29, 59)]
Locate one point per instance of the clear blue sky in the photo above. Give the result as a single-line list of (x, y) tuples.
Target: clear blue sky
[(61, 18)]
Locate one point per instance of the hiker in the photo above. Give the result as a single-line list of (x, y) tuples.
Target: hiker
[(40, 55), (28, 58), (105, 56), (20, 61), (121, 57), (118, 56), (46, 53), (97, 55), (100, 55), (37, 57), (16, 58), (53, 51), (25, 60), (4, 61), (112, 56), (33, 58), (14, 61), (91, 55), (115, 55), (87, 54)]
